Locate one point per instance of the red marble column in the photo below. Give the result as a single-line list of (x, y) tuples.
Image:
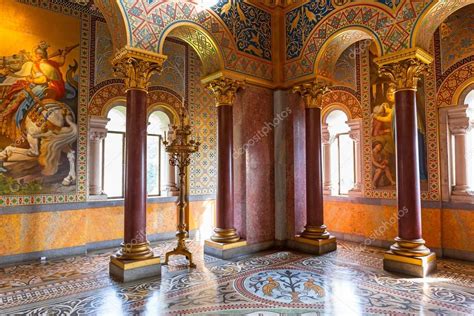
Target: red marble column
[(136, 68), (312, 95), (224, 90), (135, 176), (408, 176), (225, 173), (405, 70), (314, 189)]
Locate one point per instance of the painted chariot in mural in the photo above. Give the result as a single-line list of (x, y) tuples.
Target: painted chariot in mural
[(37, 119)]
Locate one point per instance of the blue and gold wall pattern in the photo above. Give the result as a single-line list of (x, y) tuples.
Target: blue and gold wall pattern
[(251, 26), (301, 21)]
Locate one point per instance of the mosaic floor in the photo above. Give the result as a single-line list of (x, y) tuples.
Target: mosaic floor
[(349, 281)]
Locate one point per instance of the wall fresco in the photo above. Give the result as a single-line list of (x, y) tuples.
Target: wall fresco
[(38, 101)]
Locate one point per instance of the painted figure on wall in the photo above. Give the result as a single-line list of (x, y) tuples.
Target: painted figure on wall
[(37, 116), (383, 136)]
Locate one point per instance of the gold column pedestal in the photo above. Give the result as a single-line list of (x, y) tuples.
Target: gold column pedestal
[(225, 236), (315, 232), (140, 251), (410, 248)]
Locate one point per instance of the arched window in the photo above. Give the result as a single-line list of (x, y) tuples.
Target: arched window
[(341, 153), (114, 153), (469, 101), (461, 148)]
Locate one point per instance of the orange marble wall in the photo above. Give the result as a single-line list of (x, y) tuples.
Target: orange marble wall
[(442, 228), (24, 233), (458, 229)]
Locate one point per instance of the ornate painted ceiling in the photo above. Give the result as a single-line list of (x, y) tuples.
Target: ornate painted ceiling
[(242, 32)]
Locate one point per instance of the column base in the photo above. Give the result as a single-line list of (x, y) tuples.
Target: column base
[(412, 266), (225, 235), (356, 192), (463, 195), (132, 270), (314, 246), (224, 250)]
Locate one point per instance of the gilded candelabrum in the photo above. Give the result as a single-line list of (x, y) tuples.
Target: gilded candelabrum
[(180, 147)]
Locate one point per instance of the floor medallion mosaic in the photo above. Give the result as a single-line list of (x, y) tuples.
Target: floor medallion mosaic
[(349, 281)]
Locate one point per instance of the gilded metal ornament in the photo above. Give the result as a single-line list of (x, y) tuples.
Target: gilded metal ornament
[(404, 68), (180, 149), (136, 67), (224, 90), (312, 93)]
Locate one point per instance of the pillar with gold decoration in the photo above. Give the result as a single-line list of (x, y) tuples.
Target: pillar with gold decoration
[(315, 238), (225, 239), (135, 259), (408, 255)]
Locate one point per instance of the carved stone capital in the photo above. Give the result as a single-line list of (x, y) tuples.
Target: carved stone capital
[(224, 90), (136, 66), (405, 67), (355, 129), (312, 93), (97, 128), (460, 120), (96, 135), (326, 137)]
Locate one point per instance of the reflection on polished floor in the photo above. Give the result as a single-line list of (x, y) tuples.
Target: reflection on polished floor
[(349, 281)]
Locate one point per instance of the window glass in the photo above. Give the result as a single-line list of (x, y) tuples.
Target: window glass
[(469, 100), (342, 152), (113, 164)]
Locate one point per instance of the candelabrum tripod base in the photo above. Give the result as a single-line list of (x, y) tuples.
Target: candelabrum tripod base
[(181, 249), (183, 252)]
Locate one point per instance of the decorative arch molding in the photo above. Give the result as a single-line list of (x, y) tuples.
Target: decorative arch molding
[(201, 41), (372, 19), (328, 108), (149, 22), (431, 18), (342, 99), (115, 18), (452, 87), (104, 98), (335, 45)]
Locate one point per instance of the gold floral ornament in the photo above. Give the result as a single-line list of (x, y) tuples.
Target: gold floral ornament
[(405, 67), (136, 66), (312, 93), (224, 90)]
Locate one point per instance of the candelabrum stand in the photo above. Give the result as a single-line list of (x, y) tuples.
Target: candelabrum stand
[(180, 148)]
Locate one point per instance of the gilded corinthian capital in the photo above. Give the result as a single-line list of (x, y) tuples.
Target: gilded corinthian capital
[(224, 90), (404, 68), (136, 66), (312, 93)]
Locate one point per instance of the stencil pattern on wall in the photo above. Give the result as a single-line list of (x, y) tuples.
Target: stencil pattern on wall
[(203, 113)]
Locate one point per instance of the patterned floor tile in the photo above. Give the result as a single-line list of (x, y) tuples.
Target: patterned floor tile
[(349, 281)]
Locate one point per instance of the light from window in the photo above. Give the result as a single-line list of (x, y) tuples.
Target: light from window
[(342, 152), (157, 159), (469, 100), (114, 146)]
